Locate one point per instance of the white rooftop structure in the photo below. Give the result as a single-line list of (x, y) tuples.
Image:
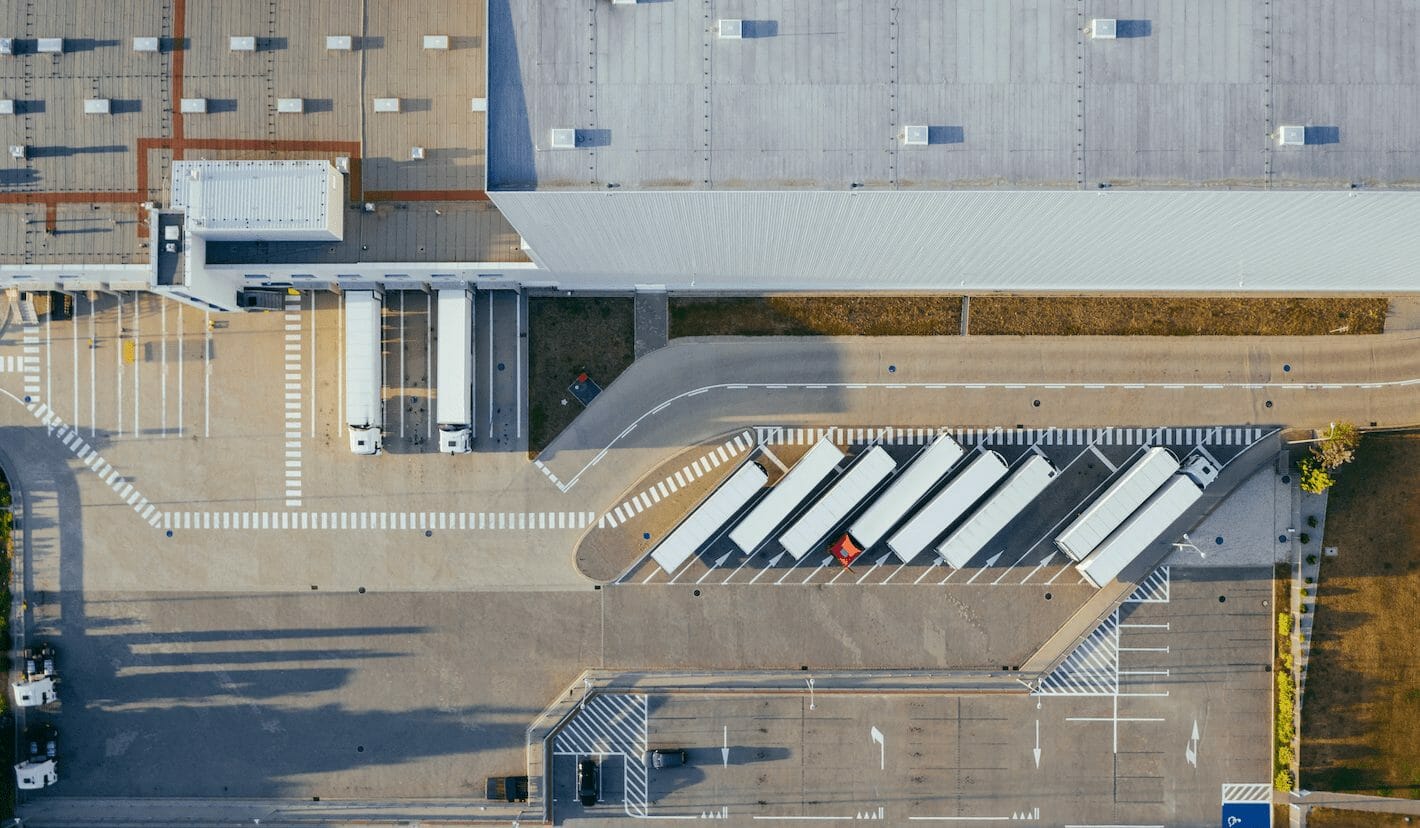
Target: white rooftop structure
[(260, 200), (339, 43), (145, 44)]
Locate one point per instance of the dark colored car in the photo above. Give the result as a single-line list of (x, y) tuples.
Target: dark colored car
[(508, 788), (587, 782), (667, 758)]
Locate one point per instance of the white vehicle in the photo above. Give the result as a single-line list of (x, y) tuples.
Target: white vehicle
[(36, 687), (1151, 520), (709, 516), (925, 471), (34, 774), (1024, 485), (1118, 502), (454, 384), (947, 506), (771, 512), (364, 371), (833, 507)]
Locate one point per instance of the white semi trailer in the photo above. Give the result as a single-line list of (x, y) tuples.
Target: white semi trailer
[(834, 506), (454, 381), (924, 472), (1024, 485), (1118, 502), (947, 506), (364, 371), (709, 516), (771, 512), (1178, 494)]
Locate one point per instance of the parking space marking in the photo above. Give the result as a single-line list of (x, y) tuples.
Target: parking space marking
[(1092, 669), (612, 724), (294, 427)]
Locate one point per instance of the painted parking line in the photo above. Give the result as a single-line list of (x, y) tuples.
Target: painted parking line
[(612, 724)]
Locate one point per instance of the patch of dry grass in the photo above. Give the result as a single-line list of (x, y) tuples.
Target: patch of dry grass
[(1361, 708), (816, 316), (1153, 316), (1338, 818), (566, 336)]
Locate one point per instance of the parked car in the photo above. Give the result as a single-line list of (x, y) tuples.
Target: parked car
[(587, 786), (667, 758), (508, 788)]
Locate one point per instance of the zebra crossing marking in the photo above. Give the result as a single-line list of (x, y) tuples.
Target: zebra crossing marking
[(652, 494), (1050, 436), (70, 438), (1154, 589), (292, 480), (611, 724), (389, 521)]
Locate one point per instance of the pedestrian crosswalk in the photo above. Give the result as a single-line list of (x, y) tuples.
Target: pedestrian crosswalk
[(389, 521), (293, 401), (611, 724), (71, 439), (915, 436), (645, 499)]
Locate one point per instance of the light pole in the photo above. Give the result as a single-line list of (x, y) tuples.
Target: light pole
[(1187, 543), (810, 683)]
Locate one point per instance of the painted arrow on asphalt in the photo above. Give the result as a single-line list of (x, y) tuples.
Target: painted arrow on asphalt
[(1037, 743), (935, 563), (719, 562), (1190, 751), (772, 563), (875, 567), (990, 562), (725, 751)]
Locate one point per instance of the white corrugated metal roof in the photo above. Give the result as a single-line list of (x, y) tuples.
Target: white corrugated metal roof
[(1110, 240), (255, 197)]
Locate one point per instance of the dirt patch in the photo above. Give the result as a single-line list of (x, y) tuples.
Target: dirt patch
[(816, 316), (1361, 705), (1338, 818), (567, 336), (1150, 316)]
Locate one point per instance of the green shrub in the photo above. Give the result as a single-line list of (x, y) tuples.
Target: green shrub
[(1309, 580), (1285, 757), (1314, 479), (1283, 781), (1312, 521), (1306, 593), (1284, 625), (1311, 560), (1304, 538)]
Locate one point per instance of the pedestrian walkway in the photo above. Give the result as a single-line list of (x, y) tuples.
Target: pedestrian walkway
[(651, 315)]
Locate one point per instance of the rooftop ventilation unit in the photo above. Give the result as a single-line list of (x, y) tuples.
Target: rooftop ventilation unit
[(97, 106), (416, 153), (564, 139), (342, 164), (7, 45), (292, 105), (51, 45), (241, 44), (193, 106), (436, 42), (732, 29), (145, 44), (7, 107), (478, 105), (624, 2), (916, 135), (339, 43), (386, 104), (19, 151), (1291, 136), (1104, 28)]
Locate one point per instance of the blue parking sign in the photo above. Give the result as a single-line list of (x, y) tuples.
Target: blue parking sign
[(1247, 815)]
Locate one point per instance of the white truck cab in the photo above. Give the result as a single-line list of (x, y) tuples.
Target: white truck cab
[(34, 774), (34, 691), (1202, 470)]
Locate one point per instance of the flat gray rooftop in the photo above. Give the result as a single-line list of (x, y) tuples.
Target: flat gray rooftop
[(1015, 94)]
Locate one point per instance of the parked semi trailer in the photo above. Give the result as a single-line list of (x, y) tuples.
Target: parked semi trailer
[(1178, 494), (838, 502), (925, 471), (947, 506), (713, 513), (364, 371), (771, 512), (1118, 502), (1005, 504), (454, 383)]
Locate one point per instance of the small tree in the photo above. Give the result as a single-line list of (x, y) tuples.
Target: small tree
[(1339, 447), (1314, 479)]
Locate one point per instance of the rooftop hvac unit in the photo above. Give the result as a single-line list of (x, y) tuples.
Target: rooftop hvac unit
[(564, 139), (478, 105), (97, 106), (7, 107), (19, 151), (915, 135), (386, 104), (416, 153), (339, 43), (145, 44), (51, 45), (241, 44), (623, 2), (1291, 136), (293, 105), (7, 45), (342, 164), (1104, 28), (732, 29), (192, 106), (436, 41)]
